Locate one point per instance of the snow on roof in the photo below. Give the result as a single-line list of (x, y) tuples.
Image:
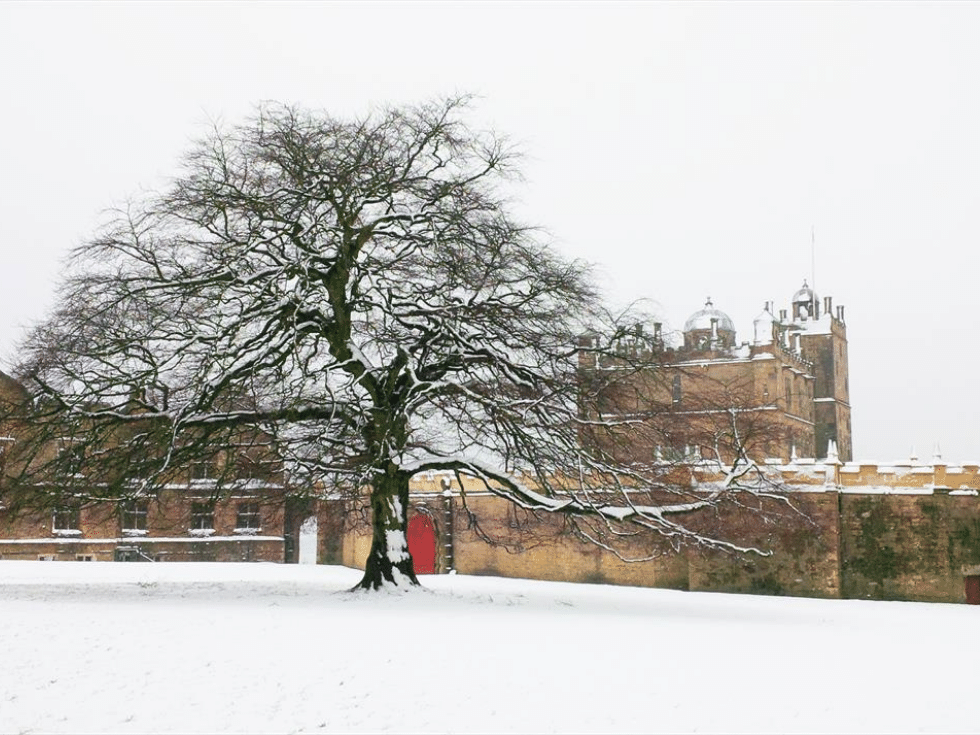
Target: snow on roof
[(817, 326), (702, 319), (805, 295), (885, 490)]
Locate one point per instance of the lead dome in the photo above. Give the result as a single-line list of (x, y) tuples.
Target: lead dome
[(805, 295), (709, 330), (805, 302), (702, 319)]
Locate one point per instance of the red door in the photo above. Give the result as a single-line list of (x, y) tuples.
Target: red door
[(422, 544), (973, 589)]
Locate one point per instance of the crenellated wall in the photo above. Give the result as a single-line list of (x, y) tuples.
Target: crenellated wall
[(905, 531)]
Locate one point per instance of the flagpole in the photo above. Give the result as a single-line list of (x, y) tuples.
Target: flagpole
[(813, 273)]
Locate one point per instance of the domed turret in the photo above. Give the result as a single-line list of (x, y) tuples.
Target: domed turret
[(702, 319), (805, 304), (709, 329)]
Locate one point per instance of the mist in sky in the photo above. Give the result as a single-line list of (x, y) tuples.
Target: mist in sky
[(687, 150)]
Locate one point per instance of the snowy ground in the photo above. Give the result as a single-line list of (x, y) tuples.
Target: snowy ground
[(268, 648)]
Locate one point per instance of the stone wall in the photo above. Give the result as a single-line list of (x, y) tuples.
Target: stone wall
[(491, 536), (908, 547), (511, 542), (803, 541), (911, 544)]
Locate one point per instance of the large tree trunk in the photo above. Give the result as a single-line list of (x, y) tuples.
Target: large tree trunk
[(389, 564)]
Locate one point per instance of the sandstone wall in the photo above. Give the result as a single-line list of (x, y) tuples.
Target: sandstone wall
[(821, 544), (909, 547)]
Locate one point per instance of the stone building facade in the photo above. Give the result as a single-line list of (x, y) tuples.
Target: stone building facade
[(785, 392), (795, 368)]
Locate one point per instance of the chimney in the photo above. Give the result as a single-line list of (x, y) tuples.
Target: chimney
[(782, 315), (656, 331), (840, 314)]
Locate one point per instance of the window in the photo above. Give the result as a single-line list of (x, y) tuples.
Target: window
[(200, 471), (789, 394), (250, 468), (6, 442), (248, 518), (65, 522), (202, 517), (72, 457), (84, 557), (45, 557), (677, 389), (134, 517)]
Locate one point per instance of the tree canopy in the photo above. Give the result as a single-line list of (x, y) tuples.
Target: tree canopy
[(358, 297)]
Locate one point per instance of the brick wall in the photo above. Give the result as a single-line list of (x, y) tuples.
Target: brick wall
[(167, 535)]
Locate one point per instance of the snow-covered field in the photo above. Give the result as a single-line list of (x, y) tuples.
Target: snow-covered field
[(269, 648)]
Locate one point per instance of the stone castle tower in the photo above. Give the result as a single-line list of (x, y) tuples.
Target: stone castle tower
[(823, 343), (796, 364)]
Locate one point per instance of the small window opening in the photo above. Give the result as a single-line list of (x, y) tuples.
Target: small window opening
[(66, 521), (248, 518), (202, 516), (134, 515)]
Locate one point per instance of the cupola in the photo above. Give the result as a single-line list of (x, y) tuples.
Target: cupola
[(806, 304), (709, 329)]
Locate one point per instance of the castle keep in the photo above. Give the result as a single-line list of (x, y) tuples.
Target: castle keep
[(794, 369)]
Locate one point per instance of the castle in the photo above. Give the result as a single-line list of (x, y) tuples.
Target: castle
[(904, 531), (794, 370), (784, 394)]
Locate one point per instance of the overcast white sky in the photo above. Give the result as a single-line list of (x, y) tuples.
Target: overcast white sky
[(685, 149)]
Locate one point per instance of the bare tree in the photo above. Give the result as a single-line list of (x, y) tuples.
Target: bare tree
[(356, 296)]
